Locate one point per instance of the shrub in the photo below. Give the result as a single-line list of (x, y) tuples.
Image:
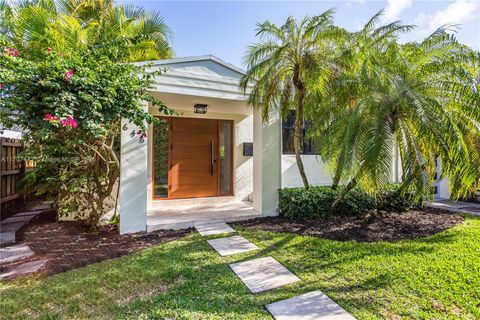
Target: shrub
[(392, 198), (316, 201)]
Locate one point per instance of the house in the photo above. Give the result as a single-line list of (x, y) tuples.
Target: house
[(216, 150), (216, 160)]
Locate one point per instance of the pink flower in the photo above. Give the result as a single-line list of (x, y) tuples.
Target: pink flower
[(50, 117), (68, 75), (69, 122), (49, 49), (11, 52)]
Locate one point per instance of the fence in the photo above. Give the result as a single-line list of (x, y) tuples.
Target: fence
[(12, 171)]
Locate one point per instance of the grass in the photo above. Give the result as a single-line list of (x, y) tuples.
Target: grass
[(429, 278)]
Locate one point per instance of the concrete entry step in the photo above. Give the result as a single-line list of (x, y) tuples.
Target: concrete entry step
[(232, 245), (152, 226), (309, 306), (263, 274), (213, 229), (175, 203), (189, 217)]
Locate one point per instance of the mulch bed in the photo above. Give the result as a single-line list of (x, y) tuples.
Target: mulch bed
[(389, 227), (71, 245)]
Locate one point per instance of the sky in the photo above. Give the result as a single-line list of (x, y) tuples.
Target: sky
[(226, 28)]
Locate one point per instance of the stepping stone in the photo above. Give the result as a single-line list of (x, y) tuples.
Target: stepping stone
[(11, 227), (24, 269), (232, 245), (7, 237), (29, 213), (263, 274), (213, 228), (309, 306), (15, 219), (40, 206), (15, 253)]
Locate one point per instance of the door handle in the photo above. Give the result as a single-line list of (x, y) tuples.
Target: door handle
[(212, 150)]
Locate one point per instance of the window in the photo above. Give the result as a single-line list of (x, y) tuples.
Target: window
[(225, 156), (160, 159), (288, 130)]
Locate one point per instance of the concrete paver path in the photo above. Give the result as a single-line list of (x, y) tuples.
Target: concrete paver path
[(309, 306), (232, 245), (266, 273), (456, 206), (263, 274), (213, 229)]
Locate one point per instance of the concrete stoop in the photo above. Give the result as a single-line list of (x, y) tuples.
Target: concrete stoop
[(188, 216)]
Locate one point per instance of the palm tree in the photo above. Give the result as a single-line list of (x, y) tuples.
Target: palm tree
[(418, 99), (288, 64), (124, 33)]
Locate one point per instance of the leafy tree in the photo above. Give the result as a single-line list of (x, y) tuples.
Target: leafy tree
[(70, 111), (288, 64), (64, 81), (418, 99)]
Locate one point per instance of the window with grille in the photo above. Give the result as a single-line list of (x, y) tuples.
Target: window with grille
[(288, 131)]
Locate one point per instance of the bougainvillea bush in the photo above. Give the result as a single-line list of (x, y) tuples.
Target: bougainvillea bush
[(70, 109)]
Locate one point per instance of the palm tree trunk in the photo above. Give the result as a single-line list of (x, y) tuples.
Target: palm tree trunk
[(297, 138), (342, 195)]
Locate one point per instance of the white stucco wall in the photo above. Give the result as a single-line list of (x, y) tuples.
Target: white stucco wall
[(133, 180), (314, 168), (267, 149), (243, 164)]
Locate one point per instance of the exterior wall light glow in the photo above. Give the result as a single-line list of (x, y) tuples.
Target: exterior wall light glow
[(200, 108)]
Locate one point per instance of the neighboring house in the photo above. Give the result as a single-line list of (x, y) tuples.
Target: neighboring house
[(217, 147)]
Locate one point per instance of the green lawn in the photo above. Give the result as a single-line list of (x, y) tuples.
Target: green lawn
[(435, 277)]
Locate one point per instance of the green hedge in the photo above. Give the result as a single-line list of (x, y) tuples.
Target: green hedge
[(316, 201)]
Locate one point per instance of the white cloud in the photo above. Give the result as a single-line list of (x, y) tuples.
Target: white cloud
[(458, 12), (394, 9)]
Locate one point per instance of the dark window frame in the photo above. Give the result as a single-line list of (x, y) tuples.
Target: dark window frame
[(288, 125)]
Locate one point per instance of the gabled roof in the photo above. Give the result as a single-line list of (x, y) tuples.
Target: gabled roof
[(193, 59), (205, 76)]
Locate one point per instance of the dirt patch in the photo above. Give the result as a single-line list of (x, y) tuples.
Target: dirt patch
[(71, 245), (389, 227)]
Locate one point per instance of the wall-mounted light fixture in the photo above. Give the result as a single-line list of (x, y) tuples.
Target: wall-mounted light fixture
[(200, 108)]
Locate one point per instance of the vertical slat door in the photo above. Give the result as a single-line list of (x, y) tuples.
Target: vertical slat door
[(193, 158)]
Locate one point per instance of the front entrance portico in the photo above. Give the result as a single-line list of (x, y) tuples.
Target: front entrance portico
[(208, 175)]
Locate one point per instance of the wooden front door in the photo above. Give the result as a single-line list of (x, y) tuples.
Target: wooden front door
[(193, 158)]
